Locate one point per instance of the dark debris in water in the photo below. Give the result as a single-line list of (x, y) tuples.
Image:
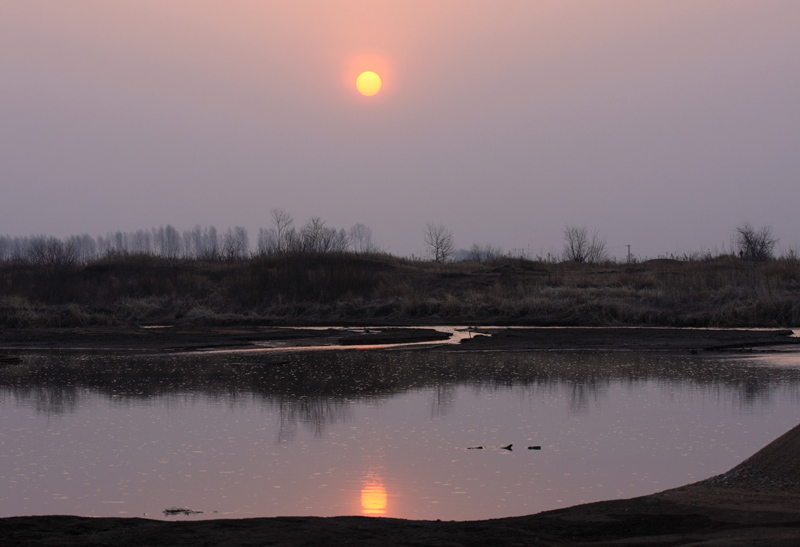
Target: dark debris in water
[(172, 511), (508, 447)]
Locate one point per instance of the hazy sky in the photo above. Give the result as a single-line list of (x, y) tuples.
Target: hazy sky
[(663, 124)]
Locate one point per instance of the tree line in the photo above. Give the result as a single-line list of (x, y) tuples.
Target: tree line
[(584, 246), (201, 242), (313, 238)]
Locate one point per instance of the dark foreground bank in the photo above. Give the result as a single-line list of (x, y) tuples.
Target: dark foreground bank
[(756, 503)]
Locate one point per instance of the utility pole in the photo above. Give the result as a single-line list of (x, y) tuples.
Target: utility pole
[(629, 254)]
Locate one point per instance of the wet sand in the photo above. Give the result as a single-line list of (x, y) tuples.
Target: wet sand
[(756, 503)]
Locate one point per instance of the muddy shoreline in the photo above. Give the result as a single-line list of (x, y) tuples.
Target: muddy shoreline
[(176, 338), (757, 503)]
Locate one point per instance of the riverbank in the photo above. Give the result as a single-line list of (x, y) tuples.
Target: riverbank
[(756, 503)]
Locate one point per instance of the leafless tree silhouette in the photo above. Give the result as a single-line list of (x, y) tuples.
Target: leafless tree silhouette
[(282, 223), (361, 239), (440, 242), (755, 243), (580, 247), (487, 253), (235, 243)]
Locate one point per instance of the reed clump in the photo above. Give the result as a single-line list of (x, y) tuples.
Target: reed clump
[(346, 288)]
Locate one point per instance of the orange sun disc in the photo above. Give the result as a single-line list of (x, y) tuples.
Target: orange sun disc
[(368, 83)]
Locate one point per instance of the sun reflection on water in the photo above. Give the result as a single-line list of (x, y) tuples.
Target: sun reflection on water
[(373, 498), (317, 435)]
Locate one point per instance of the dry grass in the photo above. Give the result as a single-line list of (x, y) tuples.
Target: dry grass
[(724, 291)]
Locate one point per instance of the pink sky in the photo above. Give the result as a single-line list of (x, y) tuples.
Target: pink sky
[(663, 124)]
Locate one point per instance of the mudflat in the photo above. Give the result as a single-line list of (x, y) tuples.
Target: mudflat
[(177, 338), (756, 503), (626, 338)]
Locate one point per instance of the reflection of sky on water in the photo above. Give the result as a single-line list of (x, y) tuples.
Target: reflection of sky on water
[(239, 441)]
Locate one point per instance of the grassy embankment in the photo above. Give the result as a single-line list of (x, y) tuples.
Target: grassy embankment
[(382, 289)]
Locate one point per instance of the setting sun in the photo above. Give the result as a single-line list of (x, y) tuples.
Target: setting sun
[(368, 83)]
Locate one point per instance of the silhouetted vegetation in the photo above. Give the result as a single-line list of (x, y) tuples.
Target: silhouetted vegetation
[(579, 246), (319, 274), (439, 241), (350, 288), (755, 243)]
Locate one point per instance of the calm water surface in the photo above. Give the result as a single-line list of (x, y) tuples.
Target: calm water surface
[(377, 433)]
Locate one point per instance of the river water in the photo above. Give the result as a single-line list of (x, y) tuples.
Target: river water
[(384, 433)]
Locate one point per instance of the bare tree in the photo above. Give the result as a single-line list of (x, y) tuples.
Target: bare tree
[(597, 249), (113, 243), (312, 235), (580, 247), (755, 243), (361, 239), (16, 249), (209, 249), (337, 241), (141, 242), (316, 238), (85, 247), (440, 242), (235, 243), (487, 253), (6, 248), (267, 242), (51, 251), (284, 232), (576, 243), (281, 238), (167, 242), (475, 254)]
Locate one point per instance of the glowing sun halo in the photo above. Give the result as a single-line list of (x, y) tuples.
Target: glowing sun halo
[(368, 83)]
